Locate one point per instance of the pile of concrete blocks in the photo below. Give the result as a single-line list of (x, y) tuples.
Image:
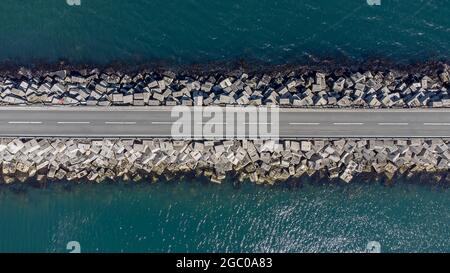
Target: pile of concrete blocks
[(259, 161), (389, 88)]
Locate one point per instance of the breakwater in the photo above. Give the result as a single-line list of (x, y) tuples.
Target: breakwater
[(259, 161), (301, 87)]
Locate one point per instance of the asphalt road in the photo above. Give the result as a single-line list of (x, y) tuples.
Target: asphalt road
[(157, 122)]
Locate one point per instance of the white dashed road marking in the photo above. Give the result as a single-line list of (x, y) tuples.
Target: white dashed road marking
[(73, 122), (304, 123), (162, 122), (25, 122), (436, 124), (348, 123), (120, 122), (393, 124)]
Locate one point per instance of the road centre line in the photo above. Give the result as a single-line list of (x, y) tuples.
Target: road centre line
[(25, 122), (73, 122), (348, 123), (436, 124), (304, 123), (392, 123), (162, 122), (120, 122)]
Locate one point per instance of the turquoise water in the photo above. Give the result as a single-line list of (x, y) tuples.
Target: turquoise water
[(197, 217), (186, 31)]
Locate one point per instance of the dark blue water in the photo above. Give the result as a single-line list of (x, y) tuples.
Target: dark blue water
[(197, 217), (186, 31)]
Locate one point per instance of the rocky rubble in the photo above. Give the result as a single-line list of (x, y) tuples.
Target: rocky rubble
[(371, 89), (260, 161)]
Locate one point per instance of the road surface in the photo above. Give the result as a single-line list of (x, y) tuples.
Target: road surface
[(157, 122)]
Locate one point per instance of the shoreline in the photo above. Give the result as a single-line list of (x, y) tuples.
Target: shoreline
[(39, 68), (318, 179), (221, 66)]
